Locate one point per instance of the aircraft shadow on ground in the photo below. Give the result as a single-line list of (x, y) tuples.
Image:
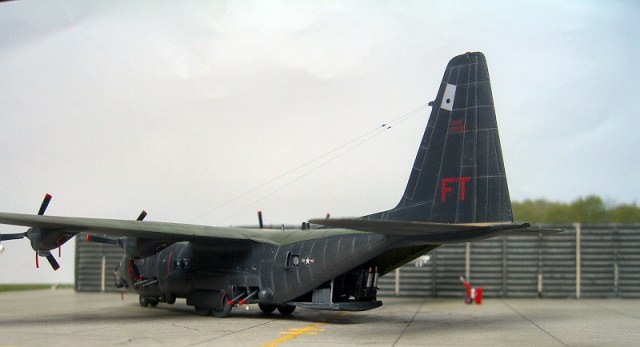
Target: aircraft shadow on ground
[(132, 313)]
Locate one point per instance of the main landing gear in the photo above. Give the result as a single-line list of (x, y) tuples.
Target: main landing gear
[(220, 302), (223, 310), (153, 300), (284, 309)]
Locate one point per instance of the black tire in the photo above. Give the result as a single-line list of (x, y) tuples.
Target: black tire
[(223, 311), (266, 308), (170, 299), (144, 302), (203, 311), (286, 310), (153, 302)]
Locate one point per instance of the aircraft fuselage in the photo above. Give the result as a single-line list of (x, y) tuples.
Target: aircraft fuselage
[(344, 264)]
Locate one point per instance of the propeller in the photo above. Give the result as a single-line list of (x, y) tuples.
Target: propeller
[(52, 260), (17, 236), (45, 253), (5, 237), (45, 204), (35, 236), (141, 216), (100, 239), (117, 242)]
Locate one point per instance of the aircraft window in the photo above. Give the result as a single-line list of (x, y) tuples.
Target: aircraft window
[(292, 259), (181, 264)]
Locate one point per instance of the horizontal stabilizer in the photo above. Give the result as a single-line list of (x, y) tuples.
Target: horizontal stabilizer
[(433, 233)]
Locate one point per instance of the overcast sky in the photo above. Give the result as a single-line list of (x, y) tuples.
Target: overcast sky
[(183, 108)]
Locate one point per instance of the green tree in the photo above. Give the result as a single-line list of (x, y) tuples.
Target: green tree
[(590, 209), (625, 214)]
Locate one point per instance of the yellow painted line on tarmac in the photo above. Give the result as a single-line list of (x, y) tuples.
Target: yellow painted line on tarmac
[(296, 332)]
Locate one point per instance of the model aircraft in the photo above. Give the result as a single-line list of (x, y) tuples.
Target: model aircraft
[(457, 192)]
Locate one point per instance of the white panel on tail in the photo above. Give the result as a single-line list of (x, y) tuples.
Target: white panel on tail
[(447, 98)]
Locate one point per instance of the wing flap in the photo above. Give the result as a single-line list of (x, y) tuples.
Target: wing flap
[(435, 233)]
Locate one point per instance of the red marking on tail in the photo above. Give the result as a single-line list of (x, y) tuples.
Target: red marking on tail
[(444, 188), (456, 126)]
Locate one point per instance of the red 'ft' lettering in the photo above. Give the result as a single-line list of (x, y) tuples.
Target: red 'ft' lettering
[(445, 188)]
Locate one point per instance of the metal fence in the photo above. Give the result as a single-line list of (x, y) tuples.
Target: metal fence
[(95, 263), (590, 261)]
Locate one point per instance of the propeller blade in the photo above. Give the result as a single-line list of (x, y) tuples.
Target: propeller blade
[(53, 262), (4, 237), (100, 239), (45, 203), (142, 215)]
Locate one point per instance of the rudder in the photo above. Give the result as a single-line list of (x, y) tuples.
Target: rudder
[(458, 175)]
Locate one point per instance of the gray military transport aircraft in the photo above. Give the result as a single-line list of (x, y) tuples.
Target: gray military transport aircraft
[(457, 192)]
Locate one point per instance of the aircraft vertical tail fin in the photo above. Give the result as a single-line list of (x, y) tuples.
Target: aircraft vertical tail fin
[(458, 175)]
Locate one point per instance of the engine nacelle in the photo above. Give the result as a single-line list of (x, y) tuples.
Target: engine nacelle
[(142, 248), (46, 240)]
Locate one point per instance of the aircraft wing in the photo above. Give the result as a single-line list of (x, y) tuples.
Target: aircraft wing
[(149, 230), (436, 233)]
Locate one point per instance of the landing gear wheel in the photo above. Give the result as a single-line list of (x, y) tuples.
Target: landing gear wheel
[(170, 299), (286, 310), (203, 311), (225, 310), (266, 308), (153, 302), (144, 302)]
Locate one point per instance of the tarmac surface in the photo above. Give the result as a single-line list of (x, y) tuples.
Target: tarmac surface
[(66, 318)]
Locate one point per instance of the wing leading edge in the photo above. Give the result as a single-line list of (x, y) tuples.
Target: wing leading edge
[(149, 230)]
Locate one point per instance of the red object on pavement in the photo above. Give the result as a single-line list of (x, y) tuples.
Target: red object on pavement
[(473, 294), (479, 295)]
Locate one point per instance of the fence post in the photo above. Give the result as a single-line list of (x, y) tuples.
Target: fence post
[(103, 274), (578, 261), (467, 262), (397, 291), (504, 266), (540, 286), (616, 268)]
